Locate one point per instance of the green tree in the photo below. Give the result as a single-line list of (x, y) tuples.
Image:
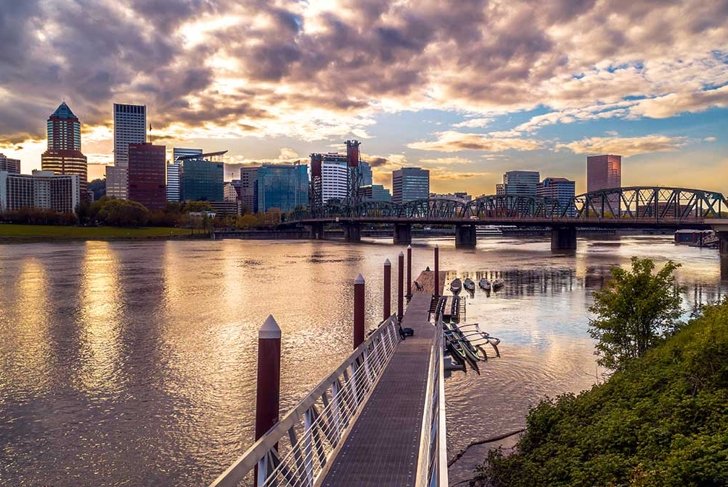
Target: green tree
[(634, 311)]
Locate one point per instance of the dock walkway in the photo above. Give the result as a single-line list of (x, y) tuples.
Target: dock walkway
[(383, 445)]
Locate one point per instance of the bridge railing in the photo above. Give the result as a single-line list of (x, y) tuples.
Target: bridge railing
[(432, 458), (299, 448)]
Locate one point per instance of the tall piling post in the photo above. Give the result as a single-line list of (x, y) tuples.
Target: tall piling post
[(387, 301), (358, 311), (267, 401), (400, 287), (409, 271), (437, 271)]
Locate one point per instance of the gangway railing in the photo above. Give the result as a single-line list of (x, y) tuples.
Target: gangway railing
[(432, 458), (299, 448)]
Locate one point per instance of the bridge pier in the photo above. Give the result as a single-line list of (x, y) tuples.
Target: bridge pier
[(402, 234), (465, 237), (563, 238), (352, 232), (722, 243), (316, 231)]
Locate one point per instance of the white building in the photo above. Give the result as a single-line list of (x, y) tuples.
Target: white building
[(130, 127), (42, 189), (334, 179)]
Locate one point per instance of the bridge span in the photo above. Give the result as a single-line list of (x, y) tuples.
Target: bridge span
[(617, 208)]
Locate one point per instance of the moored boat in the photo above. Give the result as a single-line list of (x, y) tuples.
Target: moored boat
[(456, 286), (497, 284), (484, 284), (469, 284)]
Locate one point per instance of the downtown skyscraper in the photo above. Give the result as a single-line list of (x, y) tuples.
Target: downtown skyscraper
[(130, 127), (64, 155)]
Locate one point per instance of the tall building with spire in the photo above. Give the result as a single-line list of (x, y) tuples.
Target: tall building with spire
[(64, 155)]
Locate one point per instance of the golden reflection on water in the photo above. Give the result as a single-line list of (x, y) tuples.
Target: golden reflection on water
[(99, 326), (28, 334)]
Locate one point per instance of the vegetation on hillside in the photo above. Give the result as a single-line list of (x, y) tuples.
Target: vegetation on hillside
[(660, 420)]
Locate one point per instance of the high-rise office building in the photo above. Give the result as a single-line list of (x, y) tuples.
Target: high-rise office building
[(173, 189), (282, 186), (249, 188), (521, 183), (130, 127), (146, 173), (410, 183), (375, 192), (202, 179), (42, 189), (334, 178), (605, 172), (560, 189), (63, 155), (366, 173), (9, 165)]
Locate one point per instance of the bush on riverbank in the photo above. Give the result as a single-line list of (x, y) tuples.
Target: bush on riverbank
[(662, 420)]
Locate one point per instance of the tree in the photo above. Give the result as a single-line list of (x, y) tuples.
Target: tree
[(120, 213), (634, 311)]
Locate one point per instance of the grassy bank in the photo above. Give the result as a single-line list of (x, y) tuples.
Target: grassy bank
[(11, 232), (662, 421)]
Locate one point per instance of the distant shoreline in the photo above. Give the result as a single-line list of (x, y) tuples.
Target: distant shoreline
[(15, 233)]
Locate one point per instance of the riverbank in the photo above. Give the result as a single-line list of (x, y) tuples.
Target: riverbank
[(36, 233), (661, 421)]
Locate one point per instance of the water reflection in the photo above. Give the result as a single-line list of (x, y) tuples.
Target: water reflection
[(134, 362)]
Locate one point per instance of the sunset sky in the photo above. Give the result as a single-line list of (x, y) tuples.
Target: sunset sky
[(467, 89)]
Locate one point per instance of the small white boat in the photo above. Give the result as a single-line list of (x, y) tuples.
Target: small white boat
[(456, 286), (484, 284), (469, 284), (497, 284)]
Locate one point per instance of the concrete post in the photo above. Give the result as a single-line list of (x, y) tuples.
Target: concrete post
[(387, 290), (400, 287), (267, 401), (437, 271), (358, 310), (409, 271)]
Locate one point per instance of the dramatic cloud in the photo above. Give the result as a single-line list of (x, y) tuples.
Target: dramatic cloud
[(626, 146), (451, 141)]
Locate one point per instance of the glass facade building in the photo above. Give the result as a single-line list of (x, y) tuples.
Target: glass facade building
[(9, 165), (410, 183), (147, 178), (521, 183), (375, 192), (560, 189), (249, 188), (173, 190), (201, 180), (282, 186)]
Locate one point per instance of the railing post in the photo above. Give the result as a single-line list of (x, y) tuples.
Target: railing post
[(387, 304), (400, 287), (437, 271), (267, 401), (358, 311), (409, 271)]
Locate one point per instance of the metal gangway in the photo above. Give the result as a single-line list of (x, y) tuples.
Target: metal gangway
[(301, 447)]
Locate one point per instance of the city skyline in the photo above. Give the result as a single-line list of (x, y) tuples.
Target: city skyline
[(467, 106)]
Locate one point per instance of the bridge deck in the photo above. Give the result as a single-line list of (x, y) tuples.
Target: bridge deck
[(383, 446)]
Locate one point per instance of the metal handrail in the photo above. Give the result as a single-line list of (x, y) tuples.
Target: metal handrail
[(298, 449), (432, 458)]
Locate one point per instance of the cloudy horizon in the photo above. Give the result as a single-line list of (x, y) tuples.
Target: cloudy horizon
[(467, 89)]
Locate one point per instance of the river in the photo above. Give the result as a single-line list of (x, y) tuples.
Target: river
[(133, 363)]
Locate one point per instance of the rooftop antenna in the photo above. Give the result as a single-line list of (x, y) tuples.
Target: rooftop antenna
[(150, 133)]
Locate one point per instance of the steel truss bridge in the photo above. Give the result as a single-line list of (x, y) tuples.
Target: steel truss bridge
[(627, 207)]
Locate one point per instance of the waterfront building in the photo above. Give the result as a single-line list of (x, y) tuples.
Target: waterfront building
[(560, 189), (375, 192), (9, 165), (410, 183), (332, 174), (63, 154), (282, 186), (173, 191), (366, 173), (605, 172), (500, 189), (230, 192), (42, 189), (202, 179), (334, 178), (249, 188), (146, 172), (521, 183), (130, 127)]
